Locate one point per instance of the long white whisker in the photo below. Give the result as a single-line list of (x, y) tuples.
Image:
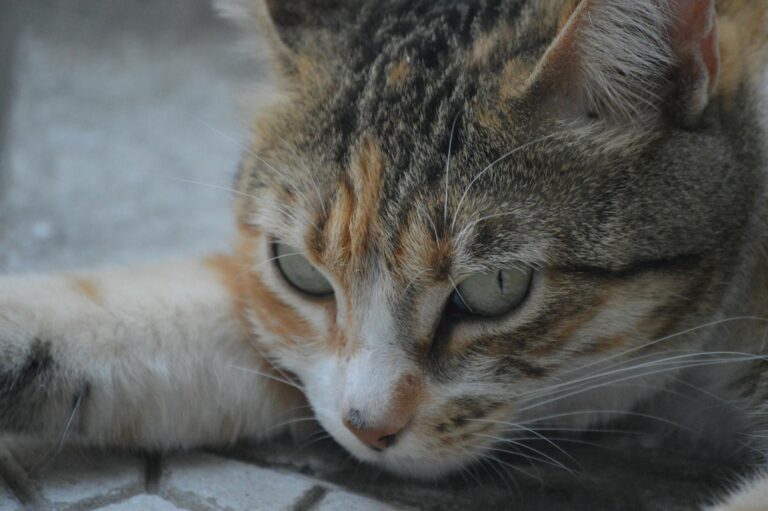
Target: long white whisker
[(291, 422), (268, 376), (308, 171), (737, 357), (528, 430), (241, 146), (638, 375), (448, 167), (491, 166), (613, 413), (668, 337), (207, 185), (547, 459), (459, 293)]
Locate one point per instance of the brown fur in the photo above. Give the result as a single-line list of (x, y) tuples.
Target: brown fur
[(428, 141), (88, 288)]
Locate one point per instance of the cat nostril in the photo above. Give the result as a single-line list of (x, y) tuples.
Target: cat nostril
[(388, 440), (375, 437)]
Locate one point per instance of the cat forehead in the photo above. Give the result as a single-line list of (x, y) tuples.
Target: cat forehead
[(406, 70), (428, 91)]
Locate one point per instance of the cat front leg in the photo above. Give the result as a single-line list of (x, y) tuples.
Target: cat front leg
[(150, 358)]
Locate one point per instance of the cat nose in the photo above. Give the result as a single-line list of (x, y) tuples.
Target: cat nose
[(376, 437)]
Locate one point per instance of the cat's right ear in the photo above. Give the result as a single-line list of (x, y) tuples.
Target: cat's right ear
[(292, 27), (631, 61)]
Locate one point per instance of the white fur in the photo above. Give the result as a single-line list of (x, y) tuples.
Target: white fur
[(751, 496), (158, 349), (625, 55)]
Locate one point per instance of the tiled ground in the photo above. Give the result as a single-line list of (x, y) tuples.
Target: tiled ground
[(124, 128)]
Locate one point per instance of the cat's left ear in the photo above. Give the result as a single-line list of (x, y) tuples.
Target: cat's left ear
[(631, 61), (292, 26)]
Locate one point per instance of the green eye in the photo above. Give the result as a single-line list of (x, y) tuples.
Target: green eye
[(492, 294), (300, 273)]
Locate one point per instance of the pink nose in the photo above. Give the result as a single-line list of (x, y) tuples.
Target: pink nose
[(376, 437)]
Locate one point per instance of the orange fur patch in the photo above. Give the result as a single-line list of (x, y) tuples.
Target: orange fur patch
[(368, 178), (743, 41), (397, 73), (353, 219), (485, 45), (514, 78), (606, 344), (274, 314), (230, 271), (338, 243), (407, 396), (87, 288)]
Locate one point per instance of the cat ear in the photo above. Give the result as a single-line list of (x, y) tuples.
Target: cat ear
[(289, 24), (631, 61)]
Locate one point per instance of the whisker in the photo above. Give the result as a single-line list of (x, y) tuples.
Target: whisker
[(490, 167), (654, 362), (516, 468), (323, 436), (668, 337), (485, 459), (270, 360), (240, 145), (60, 443), (207, 185), (291, 422), (520, 426), (675, 367), (307, 170), (547, 458), (268, 376), (255, 267), (448, 166), (426, 214), (614, 413), (414, 279), (459, 293)]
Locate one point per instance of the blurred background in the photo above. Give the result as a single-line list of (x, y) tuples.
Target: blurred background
[(120, 122)]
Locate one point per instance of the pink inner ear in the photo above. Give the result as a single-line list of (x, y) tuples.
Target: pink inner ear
[(694, 34)]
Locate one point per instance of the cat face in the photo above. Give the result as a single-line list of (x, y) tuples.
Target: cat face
[(440, 235)]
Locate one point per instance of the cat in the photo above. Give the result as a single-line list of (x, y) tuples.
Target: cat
[(463, 220)]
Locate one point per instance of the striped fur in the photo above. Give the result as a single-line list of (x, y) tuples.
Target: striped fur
[(416, 143)]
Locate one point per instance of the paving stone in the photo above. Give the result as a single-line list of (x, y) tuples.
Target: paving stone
[(75, 475), (197, 480), (7, 501), (141, 503), (121, 111), (339, 500)]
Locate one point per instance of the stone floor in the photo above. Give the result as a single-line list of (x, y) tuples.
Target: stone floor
[(124, 130)]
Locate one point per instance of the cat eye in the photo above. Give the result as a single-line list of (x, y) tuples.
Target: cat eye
[(300, 273), (492, 294)]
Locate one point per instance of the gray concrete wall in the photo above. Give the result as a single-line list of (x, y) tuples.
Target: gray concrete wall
[(8, 35), (118, 107)]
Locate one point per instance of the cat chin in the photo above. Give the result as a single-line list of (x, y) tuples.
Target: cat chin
[(407, 465), (422, 469)]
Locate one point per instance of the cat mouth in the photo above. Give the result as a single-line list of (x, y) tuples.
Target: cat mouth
[(409, 456)]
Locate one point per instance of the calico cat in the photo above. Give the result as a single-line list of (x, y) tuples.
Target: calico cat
[(464, 220)]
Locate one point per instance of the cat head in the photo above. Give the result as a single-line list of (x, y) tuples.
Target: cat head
[(457, 206)]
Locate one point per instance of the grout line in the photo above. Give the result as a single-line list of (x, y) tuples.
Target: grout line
[(153, 472), (18, 481), (310, 499)]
